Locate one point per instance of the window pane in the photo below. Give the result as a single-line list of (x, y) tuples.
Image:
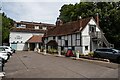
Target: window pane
[(86, 47)]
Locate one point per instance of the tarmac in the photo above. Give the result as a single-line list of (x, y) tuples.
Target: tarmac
[(37, 65)]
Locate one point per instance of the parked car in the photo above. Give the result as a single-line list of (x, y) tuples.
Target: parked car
[(4, 53), (13, 50), (108, 53), (8, 49)]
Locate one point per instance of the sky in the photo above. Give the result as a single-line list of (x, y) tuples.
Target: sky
[(45, 11)]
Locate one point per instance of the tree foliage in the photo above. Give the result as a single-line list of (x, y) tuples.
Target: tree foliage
[(109, 15), (7, 24)]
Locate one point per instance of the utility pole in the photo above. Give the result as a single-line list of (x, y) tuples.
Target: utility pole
[(0, 27)]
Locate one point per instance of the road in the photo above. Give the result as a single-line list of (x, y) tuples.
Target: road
[(33, 65)]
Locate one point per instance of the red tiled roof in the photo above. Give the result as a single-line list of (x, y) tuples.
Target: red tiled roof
[(35, 39), (68, 28), (27, 30)]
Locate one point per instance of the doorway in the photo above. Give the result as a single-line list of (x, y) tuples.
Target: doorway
[(32, 46)]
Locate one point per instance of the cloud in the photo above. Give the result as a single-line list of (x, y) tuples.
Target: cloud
[(70, 1), (33, 11)]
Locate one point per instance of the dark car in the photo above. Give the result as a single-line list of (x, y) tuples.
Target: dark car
[(111, 54)]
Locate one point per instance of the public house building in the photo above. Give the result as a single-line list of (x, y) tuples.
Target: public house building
[(83, 35)]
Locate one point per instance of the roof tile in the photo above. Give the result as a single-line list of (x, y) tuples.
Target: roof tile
[(68, 28), (35, 39)]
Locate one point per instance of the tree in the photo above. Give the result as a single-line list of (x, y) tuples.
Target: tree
[(109, 14), (7, 24)]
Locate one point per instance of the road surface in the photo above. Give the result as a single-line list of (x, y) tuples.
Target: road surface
[(27, 64)]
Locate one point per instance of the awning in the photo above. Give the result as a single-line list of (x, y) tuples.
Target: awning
[(35, 39)]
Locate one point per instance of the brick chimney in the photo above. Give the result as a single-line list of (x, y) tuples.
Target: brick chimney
[(59, 22)]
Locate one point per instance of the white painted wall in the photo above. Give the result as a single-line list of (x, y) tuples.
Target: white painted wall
[(86, 42), (50, 38), (73, 39), (21, 46), (59, 42), (21, 38), (85, 31), (69, 40), (78, 49), (65, 38), (63, 41), (86, 36)]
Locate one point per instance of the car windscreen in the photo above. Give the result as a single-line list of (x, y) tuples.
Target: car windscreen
[(101, 49), (116, 50)]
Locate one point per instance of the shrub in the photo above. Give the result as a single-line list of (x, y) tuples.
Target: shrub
[(42, 49), (63, 52), (82, 54), (52, 51), (90, 54)]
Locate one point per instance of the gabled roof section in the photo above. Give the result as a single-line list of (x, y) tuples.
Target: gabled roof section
[(35, 39), (68, 28)]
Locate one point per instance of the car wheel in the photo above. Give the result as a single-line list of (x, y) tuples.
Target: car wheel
[(8, 56), (14, 51), (97, 56), (111, 60)]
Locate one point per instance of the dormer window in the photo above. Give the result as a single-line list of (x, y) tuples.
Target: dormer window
[(92, 28), (44, 28), (21, 26), (36, 27)]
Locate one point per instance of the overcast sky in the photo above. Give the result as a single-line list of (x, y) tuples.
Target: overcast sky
[(34, 10)]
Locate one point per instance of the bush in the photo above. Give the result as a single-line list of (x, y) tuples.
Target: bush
[(42, 49), (52, 51), (63, 52), (90, 54), (82, 54)]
